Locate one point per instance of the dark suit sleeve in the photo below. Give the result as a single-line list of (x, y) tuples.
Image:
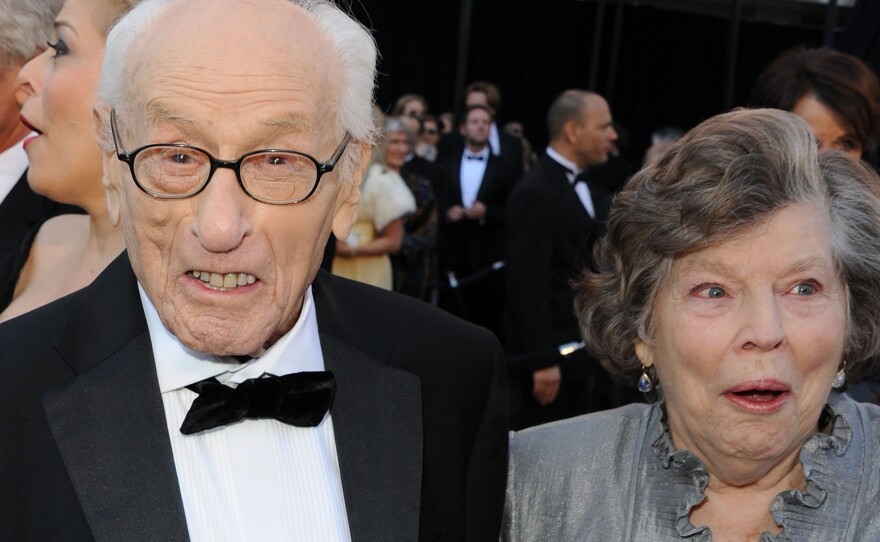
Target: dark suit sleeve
[(443, 189), (496, 206), (450, 146), (487, 468), (512, 150), (530, 268)]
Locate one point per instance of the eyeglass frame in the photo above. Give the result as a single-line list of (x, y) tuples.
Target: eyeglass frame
[(235, 165)]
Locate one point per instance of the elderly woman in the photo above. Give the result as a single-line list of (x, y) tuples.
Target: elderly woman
[(385, 201), (739, 284)]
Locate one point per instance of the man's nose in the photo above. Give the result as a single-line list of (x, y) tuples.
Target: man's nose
[(222, 213)]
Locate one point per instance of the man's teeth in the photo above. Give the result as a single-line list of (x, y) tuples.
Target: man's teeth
[(227, 281)]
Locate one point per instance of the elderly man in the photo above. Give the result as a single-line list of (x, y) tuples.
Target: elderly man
[(211, 384), (553, 218)]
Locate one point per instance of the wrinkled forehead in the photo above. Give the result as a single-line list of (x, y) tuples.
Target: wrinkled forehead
[(234, 58)]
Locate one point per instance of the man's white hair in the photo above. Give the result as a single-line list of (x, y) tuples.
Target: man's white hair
[(352, 42), (25, 26)]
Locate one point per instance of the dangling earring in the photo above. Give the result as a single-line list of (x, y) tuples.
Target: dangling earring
[(839, 378), (645, 384)]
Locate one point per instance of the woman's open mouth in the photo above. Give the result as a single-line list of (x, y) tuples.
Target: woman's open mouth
[(759, 397), (31, 138)]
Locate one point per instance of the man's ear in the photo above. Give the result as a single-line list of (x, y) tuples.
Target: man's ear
[(645, 353), (349, 194), (570, 129), (111, 189), (109, 163)]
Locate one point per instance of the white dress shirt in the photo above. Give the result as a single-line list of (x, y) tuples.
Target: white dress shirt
[(583, 191), (473, 167), (256, 480), (13, 162), (494, 139)]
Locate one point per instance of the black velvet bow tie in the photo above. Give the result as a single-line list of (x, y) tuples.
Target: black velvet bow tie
[(299, 399), (474, 156)]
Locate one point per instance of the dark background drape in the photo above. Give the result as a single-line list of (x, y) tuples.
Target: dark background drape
[(670, 69)]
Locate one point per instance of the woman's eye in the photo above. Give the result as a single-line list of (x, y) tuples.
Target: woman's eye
[(59, 46), (846, 145), (804, 288), (711, 292), (714, 292)]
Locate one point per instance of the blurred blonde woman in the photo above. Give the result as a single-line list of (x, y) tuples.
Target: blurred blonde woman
[(385, 201)]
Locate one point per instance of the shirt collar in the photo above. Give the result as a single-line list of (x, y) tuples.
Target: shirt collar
[(178, 366), (13, 162), (494, 139), (484, 154), (573, 170)]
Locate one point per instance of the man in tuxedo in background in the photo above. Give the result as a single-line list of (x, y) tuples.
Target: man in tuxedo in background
[(26, 26), (553, 218), (506, 146), (471, 236), (212, 383)]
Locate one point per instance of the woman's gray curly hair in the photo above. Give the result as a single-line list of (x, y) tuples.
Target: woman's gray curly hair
[(728, 174)]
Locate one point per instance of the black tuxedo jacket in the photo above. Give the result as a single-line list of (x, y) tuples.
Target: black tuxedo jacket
[(419, 418), (469, 245), (550, 241), (22, 212)]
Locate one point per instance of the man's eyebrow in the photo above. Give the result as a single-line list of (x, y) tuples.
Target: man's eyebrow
[(159, 114), (289, 123), (190, 128)]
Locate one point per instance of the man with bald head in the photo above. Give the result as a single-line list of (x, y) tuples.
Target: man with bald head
[(212, 383), (554, 216)]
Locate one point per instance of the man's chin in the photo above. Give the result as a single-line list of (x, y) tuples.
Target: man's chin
[(216, 347), (222, 337)]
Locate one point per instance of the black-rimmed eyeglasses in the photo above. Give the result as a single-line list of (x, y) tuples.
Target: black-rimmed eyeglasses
[(177, 171)]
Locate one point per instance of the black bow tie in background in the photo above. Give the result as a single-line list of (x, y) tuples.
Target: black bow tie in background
[(474, 156), (580, 178), (300, 399)]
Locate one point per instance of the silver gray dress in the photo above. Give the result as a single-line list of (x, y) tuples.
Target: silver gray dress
[(615, 476)]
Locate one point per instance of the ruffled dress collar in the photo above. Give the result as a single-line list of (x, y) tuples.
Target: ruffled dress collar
[(826, 469)]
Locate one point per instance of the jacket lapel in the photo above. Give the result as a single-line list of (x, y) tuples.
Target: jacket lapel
[(571, 202), (455, 182), (377, 420), (109, 422), (488, 177)]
